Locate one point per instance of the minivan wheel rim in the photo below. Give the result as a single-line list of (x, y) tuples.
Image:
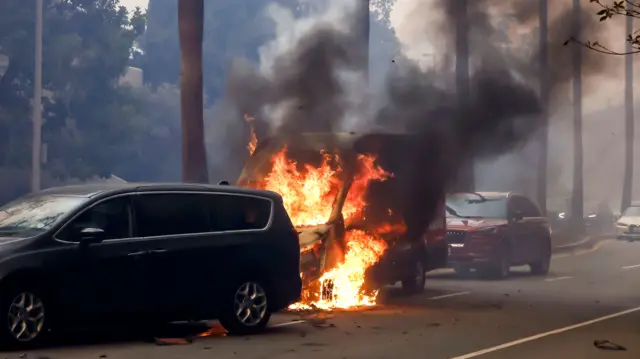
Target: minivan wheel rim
[(250, 303), (26, 317)]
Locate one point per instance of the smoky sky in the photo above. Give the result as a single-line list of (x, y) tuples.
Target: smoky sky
[(307, 86)]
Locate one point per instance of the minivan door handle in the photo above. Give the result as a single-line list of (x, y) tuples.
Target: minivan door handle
[(159, 250), (139, 253)]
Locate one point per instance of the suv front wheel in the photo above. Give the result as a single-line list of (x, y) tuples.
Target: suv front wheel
[(246, 308)]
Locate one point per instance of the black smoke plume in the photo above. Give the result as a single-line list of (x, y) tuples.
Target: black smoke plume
[(308, 83)]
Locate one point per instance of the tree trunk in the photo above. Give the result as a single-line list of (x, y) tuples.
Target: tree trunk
[(577, 198), (466, 174), (365, 26), (191, 26), (627, 186), (544, 99)]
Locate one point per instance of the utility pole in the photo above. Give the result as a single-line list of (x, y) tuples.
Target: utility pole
[(37, 103), (627, 186), (466, 174), (577, 198), (543, 142)]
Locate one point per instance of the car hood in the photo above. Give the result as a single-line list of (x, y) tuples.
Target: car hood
[(627, 220), (463, 224)]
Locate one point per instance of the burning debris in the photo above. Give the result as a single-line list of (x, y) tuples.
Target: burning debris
[(253, 141)]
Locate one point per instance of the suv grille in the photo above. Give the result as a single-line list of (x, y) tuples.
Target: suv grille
[(456, 236)]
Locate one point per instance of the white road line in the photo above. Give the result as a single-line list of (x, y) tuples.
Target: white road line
[(633, 266), (287, 324), (449, 295), (555, 279), (542, 335)]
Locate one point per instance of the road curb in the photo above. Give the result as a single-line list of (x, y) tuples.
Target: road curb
[(584, 242)]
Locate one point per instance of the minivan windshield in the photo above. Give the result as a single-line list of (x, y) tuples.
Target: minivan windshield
[(32, 215), (471, 206)]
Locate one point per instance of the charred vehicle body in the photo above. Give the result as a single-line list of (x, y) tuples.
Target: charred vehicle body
[(323, 244), (492, 231)]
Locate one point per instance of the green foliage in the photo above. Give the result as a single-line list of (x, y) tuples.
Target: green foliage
[(92, 125), (615, 8)]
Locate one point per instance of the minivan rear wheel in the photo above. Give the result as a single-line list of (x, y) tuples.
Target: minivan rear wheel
[(246, 308), (25, 318)]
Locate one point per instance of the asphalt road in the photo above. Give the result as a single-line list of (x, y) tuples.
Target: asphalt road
[(593, 294)]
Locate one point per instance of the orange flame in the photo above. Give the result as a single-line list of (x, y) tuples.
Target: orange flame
[(308, 195), (253, 140)]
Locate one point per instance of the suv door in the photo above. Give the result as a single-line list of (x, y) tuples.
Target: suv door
[(535, 228), (173, 224), (104, 278)]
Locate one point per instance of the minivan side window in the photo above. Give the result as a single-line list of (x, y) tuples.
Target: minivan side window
[(113, 216), (232, 212), (162, 214)]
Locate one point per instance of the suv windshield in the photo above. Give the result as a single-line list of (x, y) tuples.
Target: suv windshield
[(472, 206), (35, 214), (632, 212)]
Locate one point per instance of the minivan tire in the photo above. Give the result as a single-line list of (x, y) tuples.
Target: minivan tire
[(253, 296), (34, 312)]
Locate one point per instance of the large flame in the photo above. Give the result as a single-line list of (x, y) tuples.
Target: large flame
[(308, 193)]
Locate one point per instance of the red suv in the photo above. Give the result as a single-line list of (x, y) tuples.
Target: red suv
[(493, 231)]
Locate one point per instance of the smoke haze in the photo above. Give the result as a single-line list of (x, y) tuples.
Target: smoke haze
[(311, 79)]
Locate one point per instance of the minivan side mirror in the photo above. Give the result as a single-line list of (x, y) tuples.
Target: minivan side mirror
[(91, 236)]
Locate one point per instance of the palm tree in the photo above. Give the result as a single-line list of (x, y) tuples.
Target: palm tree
[(544, 99), (190, 28), (577, 197), (366, 26), (466, 176), (627, 186)]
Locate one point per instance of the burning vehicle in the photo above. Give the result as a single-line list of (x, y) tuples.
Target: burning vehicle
[(350, 247)]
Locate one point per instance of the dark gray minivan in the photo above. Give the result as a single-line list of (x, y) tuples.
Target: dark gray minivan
[(96, 254)]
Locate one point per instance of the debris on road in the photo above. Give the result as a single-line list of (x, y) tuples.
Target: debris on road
[(318, 319), (607, 345), (173, 341)]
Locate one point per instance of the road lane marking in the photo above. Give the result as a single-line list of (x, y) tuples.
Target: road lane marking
[(287, 324), (555, 279), (633, 266), (542, 335), (449, 295)]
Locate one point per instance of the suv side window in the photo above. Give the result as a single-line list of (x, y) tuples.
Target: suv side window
[(232, 212), (529, 209), (165, 214), (113, 216), (525, 207)]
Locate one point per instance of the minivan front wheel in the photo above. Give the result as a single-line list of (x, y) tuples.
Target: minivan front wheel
[(247, 309), (25, 318)]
